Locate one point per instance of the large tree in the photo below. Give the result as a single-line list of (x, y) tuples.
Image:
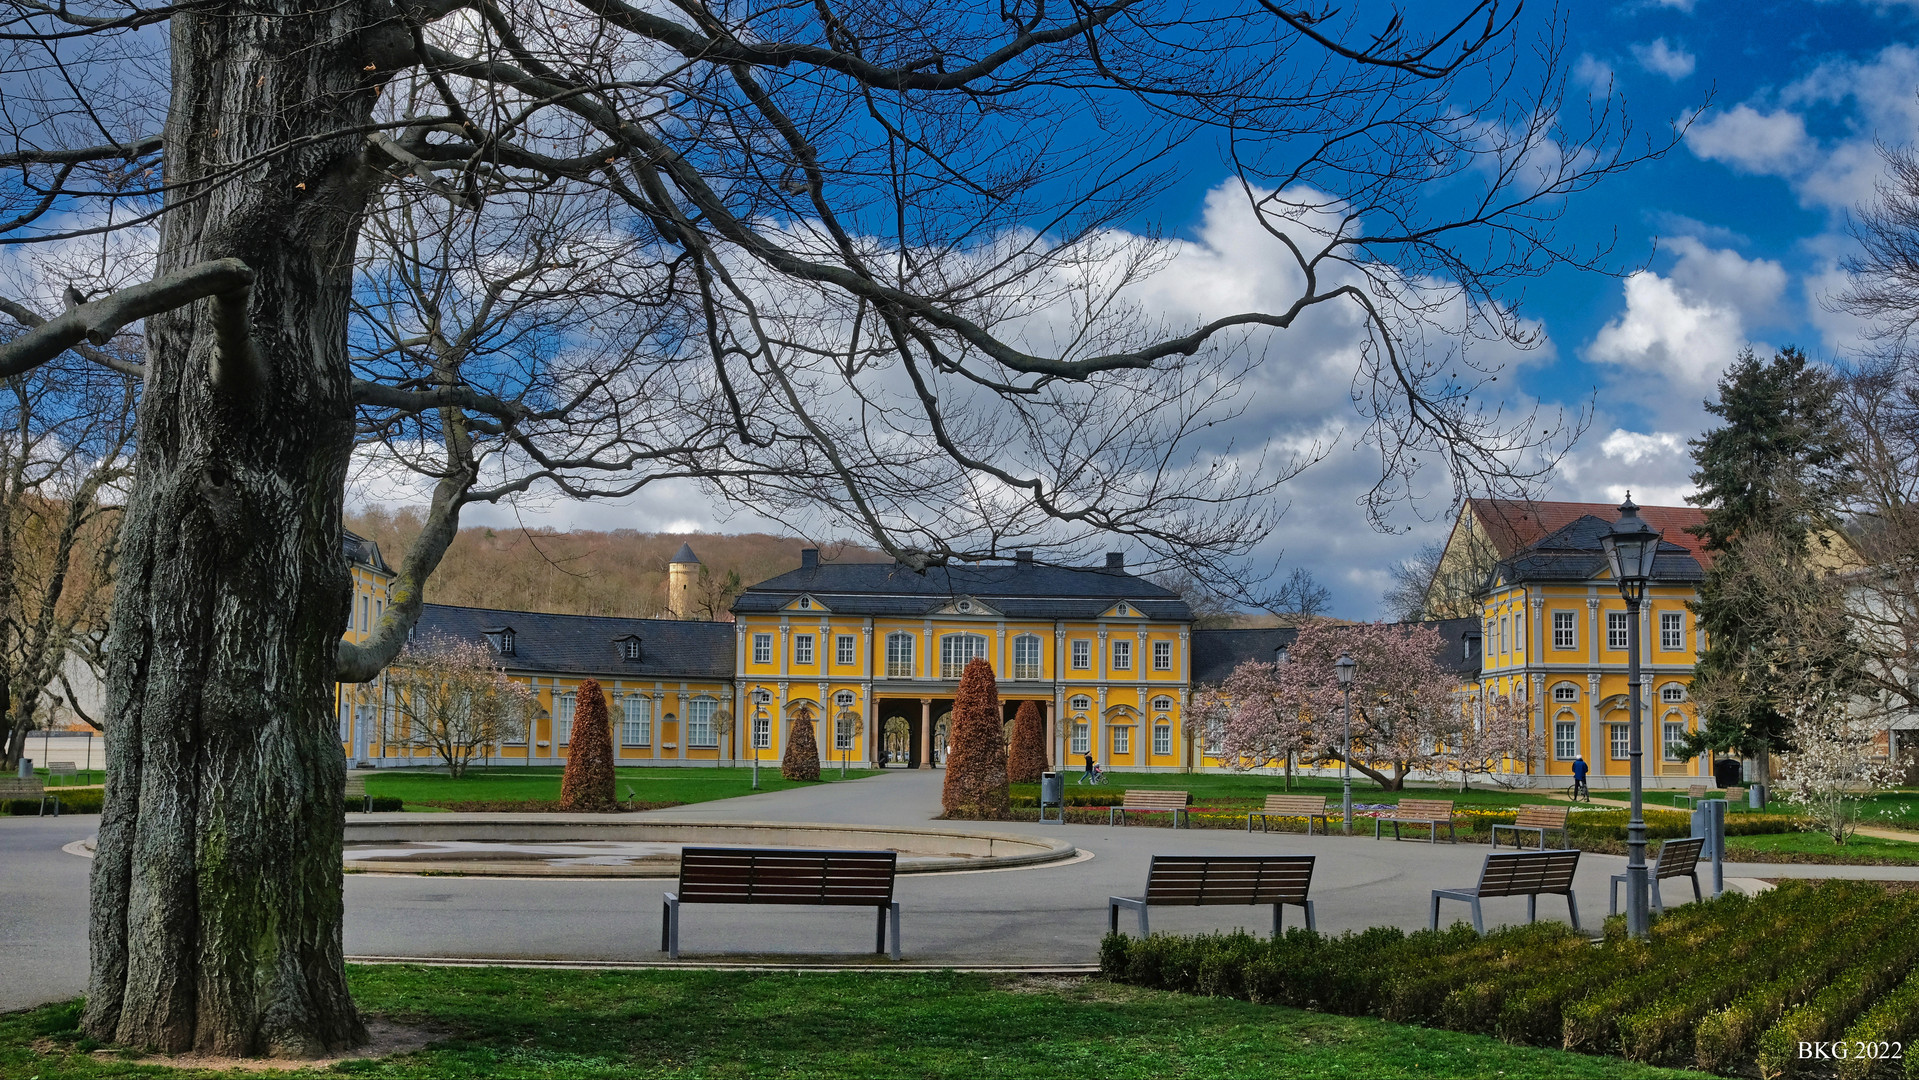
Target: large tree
[(1773, 479), (859, 258)]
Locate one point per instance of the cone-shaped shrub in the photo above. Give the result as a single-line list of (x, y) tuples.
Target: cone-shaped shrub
[(588, 782), (1028, 758), (976, 749), (802, 760)]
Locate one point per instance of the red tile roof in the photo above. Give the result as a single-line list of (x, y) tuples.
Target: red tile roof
[(1515, 524)]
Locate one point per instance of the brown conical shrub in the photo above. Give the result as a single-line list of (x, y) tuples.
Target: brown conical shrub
[(976, 749), (588, 782), (1028, 757), (802, 760)]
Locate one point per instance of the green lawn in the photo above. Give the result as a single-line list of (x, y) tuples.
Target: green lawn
[(510, 783), (1252, 788), (501, 1022), (1904, 851)]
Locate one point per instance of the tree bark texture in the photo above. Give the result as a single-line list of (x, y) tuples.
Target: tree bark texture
[(216, 913)]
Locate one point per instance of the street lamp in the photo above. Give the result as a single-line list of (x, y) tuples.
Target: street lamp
[(1631, 547), (1344, 667)]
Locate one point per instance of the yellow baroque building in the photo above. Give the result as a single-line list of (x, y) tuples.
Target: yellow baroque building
[(1555, 632)]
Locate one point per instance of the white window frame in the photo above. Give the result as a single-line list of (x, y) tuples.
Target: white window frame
[(1082, 654), (1122, 654), (1668, 743), (803, 649), (1080, 703), (762, 732), (845, 652), (900, 647), (1565, 692), (842, 733), (1162, 656), (1162, 703), (346, 722), (843, 699), (1672, 631), (762, 648), (564, 706), (1565, 740), (636, 720), (1122, 739), (1502, 635), (1672, 693), (1162, 739), (1618, 631), (630, 649), (957, 650), (1082, 738), (1026, 656), (1565, 630), (1619, 741), (697, 723)]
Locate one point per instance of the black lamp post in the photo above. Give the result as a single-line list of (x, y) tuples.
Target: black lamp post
[(1631, 547), (753, 737), (1344, 667)]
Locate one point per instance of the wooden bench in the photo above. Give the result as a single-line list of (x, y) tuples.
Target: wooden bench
[(1536, 819), (356, 789), (1208, 880), (13, 787), (1151, 801), (797, 876), (1301, 806), (1735, 796), (65, 769), (1431, 813), (1677, 858), (1692, 796), (1518, 873)]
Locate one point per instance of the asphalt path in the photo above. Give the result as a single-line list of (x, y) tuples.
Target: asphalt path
[(1047, 915)]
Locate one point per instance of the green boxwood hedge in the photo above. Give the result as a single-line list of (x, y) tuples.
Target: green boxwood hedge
[(1729, 985), (74, 801)]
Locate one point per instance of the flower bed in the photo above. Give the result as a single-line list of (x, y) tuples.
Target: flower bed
[(1730, 985)]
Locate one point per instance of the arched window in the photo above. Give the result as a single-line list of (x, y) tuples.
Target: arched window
[(1080, 703), (956, 650), (1162, 704), (1565, 692), (843, 699), (899, 656), (1026, 656), (1672, 693)]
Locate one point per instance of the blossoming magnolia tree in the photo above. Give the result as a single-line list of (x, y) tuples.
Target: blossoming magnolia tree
[(1405, 702), (1262, 723), (1834, 766), (1492, 737)]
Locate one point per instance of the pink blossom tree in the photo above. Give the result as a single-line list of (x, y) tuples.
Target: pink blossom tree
[(1404, 699), (1493, 737), (1262, 720)]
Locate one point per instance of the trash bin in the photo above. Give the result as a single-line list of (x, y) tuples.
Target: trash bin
[(1756, 796), (1727, 772), (26, 768), (1052, 792)]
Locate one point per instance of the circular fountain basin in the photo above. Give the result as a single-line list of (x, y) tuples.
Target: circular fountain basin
[(598, 845)]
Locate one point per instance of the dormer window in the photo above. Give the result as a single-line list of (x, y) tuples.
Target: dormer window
[(1122, 610), (630, 648), (806, 603), (506, 642), (500, 637)]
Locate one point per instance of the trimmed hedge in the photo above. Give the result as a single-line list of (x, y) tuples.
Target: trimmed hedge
[(73, 801), (1733, 984)]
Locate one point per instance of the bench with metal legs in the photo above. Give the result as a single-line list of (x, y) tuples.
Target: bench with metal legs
[(799, 876), (1518, 873), (1677, 858), (1231, 880)]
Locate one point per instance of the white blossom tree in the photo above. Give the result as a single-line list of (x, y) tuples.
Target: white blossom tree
[(1263, 722), (450, 697), (1835, 765), (1493, 738)]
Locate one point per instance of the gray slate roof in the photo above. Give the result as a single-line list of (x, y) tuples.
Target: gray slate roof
[(358, 549), (1025, 591), (670, 649), (685, 554), (1574, 553), (1217, 652)]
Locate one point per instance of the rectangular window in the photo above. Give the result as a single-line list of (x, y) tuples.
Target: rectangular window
[(1565, 692), (899, 656), (1672, 631), (1620, 737), (802, 648), (346, 721), (1026, 657), (1502, 635), (1162, 738), (364, 601), (1162, 656), (699, 722), (563, 718), (1565, 630), (1672, 692), (1519, 632), (843, 734), (762, 648), (636, 721), (843, 650), (1082, 655), (1616, 630), (1122, 655), (1082, 738), (1565, 740), (1122, 740), (1675, 738), (762, 732), (958, 650)]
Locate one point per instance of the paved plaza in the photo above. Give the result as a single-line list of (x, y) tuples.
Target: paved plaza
[(1044, 916)]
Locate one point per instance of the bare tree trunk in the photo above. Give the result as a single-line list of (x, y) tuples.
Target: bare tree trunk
[(216, 914)]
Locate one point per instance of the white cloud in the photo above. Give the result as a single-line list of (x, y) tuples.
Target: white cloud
[(1632, 447), (1660, 58), (1593, 73), (1684, 6), (1684, 327), (1773, 143)]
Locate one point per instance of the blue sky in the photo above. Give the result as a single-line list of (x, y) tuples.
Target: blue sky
[(1728, 242)]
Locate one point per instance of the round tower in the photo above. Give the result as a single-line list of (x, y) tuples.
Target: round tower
[(682, 573)]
